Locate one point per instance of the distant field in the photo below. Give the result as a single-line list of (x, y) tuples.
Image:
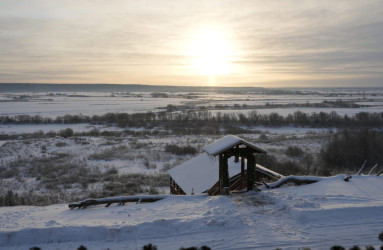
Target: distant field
[(53, 104)]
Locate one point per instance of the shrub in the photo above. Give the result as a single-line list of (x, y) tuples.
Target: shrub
[(370, 247), (159, 95), (355, 248), (112, 171), (10, 199), (263, 137), (115, 152), (337, 247), (177, 150), (51, 133), (294, 151), (149, 247), (68, 132), (196, 248), (149, 165), (61, 144)]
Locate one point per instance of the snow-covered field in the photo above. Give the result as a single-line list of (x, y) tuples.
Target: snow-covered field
[(14, 129), (320, 215), (96, 103)]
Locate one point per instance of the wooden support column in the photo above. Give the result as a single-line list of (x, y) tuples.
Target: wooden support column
[(224, 174), (242, 172), (220, 157), (250, 171), (255, 166)]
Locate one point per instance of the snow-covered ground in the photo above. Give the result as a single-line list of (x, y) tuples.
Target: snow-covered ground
[(320, 215), (15, 129), (12, 129)]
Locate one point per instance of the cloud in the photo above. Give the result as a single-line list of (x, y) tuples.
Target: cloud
[(147, 40)]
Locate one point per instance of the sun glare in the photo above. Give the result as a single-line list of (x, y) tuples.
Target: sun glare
[(211, 51)]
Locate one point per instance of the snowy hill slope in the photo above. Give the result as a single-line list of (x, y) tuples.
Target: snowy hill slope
[(318, 215)]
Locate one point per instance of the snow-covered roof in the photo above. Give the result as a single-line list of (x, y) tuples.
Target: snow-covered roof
[(201, 173), (228, 142)]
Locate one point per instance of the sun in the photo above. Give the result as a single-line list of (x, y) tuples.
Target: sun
[(211, 51)]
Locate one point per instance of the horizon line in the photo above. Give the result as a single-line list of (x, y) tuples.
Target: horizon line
[(195, 86)]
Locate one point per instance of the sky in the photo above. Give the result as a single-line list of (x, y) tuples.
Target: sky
[(274, 43)]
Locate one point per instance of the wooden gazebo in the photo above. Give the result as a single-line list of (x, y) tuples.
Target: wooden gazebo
[(233, 146), (225, 165)]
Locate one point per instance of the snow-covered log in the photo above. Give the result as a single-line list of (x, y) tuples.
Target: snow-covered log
[(297, 180), (120, 200)]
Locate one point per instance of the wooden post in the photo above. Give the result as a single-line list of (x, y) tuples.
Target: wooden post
[(220, 172), (236, 159), (224, 176), (255, 166), (242, 171), (250, 171)]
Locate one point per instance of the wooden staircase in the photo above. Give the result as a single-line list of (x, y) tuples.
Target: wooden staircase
[(235, 184)]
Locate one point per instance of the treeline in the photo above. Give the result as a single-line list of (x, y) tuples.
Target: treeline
[(348, 149), (325, 104), (344, 152), (171, 120)]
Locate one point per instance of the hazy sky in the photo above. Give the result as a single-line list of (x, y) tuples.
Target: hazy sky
[(284, 43)]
